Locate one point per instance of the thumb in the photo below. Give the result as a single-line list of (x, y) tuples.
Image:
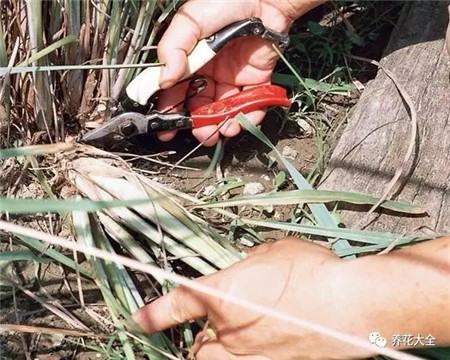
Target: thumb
[(195, 20), (177, 307)]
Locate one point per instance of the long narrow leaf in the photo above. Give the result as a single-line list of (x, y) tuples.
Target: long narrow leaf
[(320, 212), (48, 50), (35, 150), (360, 236), (316, 196), (21, 255), (54, 254), (29, 206), (45, 68)]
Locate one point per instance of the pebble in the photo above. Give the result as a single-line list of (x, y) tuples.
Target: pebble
[(289, 152), (101, 108), (253, 188), (308, 130)]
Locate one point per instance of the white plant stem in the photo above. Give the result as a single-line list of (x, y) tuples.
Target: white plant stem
[(196, 286)]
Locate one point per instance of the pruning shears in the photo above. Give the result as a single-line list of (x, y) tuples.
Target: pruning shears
[(131, 122)]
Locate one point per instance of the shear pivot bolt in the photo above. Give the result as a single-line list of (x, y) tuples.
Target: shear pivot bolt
[(128, 129), (257, 30)]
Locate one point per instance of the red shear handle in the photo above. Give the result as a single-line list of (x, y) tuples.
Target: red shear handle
[(256, 98)]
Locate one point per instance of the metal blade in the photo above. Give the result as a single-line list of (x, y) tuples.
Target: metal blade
[(119, 128)]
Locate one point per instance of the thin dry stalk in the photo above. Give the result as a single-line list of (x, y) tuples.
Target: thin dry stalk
[(49, 330), (209, 291)]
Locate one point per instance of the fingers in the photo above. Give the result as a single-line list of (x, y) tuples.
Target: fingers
[(195, 20), (209, 135), (176, 43), (167, 100), (177, 307), (213, 349)]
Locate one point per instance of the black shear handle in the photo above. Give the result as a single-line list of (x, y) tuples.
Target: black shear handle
[(248, 27)]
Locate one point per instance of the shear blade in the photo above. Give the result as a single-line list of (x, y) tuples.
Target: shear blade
[(113, 131)]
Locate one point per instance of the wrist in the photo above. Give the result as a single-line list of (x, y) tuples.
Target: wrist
[(402, 292)]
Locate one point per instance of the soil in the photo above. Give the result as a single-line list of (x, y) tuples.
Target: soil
[(244, 158), (253, 162)]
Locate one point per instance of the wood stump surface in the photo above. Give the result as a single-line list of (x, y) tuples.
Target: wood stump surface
[(376, 138)]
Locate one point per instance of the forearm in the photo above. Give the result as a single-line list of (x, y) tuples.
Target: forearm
[(404, 292)]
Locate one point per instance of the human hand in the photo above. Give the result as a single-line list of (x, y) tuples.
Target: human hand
[(402, 292), (241, 64), (292, 276)]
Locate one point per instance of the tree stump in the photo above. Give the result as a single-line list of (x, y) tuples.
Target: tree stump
[(375, 140)]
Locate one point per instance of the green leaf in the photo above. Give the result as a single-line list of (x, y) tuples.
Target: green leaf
[(117, 287), (320, 212), (322, 86), (355, 38), (360, 236), (311, 84), (48, 50), (315, 196), (28, 206), (54, 254), (280, 180), (285, 80), (21, 255), (315, 28), (31, 69), (35, 150)]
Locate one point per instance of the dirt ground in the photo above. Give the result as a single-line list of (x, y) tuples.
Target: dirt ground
[(252, 163), (244, 158)]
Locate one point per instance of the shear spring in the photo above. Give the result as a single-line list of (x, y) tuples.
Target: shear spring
[(197, 84)]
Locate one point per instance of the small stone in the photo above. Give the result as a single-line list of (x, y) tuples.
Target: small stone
[(265, 177), (101, 108), (308, 130), (289, 152), (253, 188)]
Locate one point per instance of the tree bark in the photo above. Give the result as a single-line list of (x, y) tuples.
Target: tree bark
[(374, 142)]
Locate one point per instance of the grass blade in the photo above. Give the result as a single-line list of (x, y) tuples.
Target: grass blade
[(42, 96), (35, 150), (360, 236), (54, 254), (29, 206), (21, 255), (315, 196), (320, 212), (48, 50), (46, 68)]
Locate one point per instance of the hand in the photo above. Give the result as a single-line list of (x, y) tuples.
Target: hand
[(299, 278), (403, 292), (241, 64)]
